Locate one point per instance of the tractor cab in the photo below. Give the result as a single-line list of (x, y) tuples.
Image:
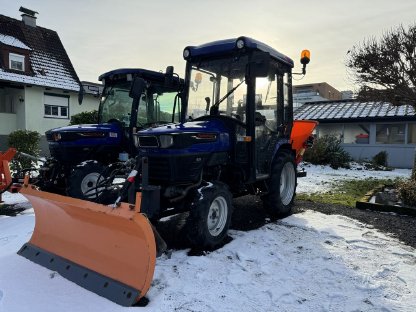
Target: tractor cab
[(247, 85), (158, 104)]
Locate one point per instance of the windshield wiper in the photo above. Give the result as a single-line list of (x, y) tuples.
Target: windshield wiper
[(217, 104)]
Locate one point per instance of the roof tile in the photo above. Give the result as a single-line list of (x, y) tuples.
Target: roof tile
[(347, 109)]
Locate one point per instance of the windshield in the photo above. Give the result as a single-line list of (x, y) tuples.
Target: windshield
[(116, 103), (156, 105), (218, 84)]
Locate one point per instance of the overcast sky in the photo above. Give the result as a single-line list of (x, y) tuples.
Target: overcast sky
[(107, 34)]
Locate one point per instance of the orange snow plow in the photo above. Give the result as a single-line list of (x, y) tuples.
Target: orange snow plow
[(5, 176), (109, 251)]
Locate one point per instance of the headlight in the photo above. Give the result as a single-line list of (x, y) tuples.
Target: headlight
[(240, 44), (166, 141), (186, 53), (56, 137)]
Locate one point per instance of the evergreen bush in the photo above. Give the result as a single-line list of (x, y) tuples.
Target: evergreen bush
[(25, 141), (327, 150), (407, 191), (380, 159), (84, 118)]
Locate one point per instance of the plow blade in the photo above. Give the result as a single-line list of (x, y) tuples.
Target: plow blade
[(110, 252)]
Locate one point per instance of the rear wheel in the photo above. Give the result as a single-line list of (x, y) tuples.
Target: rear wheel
[(210, 216), (84, 179), (282, 186)]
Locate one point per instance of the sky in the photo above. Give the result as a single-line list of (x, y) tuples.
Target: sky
[(103, 35)]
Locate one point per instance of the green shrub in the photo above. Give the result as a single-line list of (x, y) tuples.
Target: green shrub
[(25, 141), (407, 191), (380, 159), (84, 118), (327, 150)]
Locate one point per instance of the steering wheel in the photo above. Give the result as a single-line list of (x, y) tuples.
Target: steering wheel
[(113, 120)]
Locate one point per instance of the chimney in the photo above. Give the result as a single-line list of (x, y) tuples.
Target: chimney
[(28, 16)]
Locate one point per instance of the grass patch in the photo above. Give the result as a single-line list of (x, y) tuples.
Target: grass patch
[(347, 192)]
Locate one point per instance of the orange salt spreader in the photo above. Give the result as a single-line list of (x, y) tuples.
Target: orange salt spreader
[(301, 136), (109, 251)]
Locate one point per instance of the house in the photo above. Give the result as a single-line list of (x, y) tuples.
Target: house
[(38, 84), (367, 128)]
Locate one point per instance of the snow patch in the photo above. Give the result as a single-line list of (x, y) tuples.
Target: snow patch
[(13, 42), (209, 185), (321, 179)]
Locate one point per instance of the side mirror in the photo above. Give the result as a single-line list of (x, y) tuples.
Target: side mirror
[(80, 94), (169, 76), (137, 87)]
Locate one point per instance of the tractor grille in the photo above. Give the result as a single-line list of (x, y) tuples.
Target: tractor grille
[(174, 170), (148, 141)]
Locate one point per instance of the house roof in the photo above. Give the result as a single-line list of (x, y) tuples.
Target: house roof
[(350, 110), (50, 65)]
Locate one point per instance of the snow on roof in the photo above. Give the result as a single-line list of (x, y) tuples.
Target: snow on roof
[(333, 110), (12, 41), (50, 65), (48, 71)]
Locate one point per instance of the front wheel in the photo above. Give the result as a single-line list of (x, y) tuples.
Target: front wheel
[(282, 186), (210, 216), (84, 179)]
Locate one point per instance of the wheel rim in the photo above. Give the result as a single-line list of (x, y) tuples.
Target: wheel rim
[(90, 181), (287, 183), (217, 216)]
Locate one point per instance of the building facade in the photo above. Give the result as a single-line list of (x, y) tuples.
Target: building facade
[(38, 84), (314, 92)]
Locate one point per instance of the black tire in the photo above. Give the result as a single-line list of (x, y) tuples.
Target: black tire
[(84, 177), (278, 202), (210, 216)]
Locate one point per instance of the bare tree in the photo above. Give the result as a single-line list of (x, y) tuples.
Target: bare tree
[(385, 69)]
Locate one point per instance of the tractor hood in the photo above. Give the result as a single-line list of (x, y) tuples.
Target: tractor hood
[(194, 136), (190, 126), (110, 133)]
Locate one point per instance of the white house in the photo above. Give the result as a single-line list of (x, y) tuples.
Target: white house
[(38, 84), (367, 128)]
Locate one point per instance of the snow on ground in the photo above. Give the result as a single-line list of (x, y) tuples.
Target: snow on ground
[(307, 262), (321, 178)]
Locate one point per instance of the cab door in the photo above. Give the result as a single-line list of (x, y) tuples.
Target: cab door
[(268, 104)]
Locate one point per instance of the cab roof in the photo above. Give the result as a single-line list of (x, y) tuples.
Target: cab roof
[(229, 45), (146, 74)]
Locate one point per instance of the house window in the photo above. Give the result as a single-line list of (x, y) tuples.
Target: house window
[(56, 106), (16, 62), (390, 133), (411, 133), (357, 133), (330, 129)]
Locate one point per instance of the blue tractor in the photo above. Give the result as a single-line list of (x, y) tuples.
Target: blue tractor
[(80, 154), (233, 139)]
